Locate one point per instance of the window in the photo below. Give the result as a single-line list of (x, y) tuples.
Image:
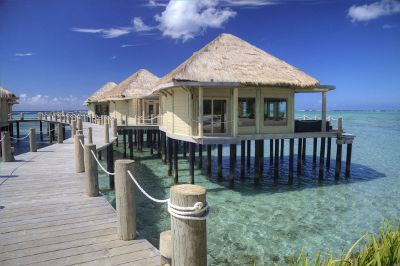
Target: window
[(214, 116), (246, 112), (275, 112)]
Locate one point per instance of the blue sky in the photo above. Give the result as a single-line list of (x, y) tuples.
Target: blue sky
[(56, 53)]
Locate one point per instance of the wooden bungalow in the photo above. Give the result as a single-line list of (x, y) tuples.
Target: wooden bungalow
[(130, 103), (230, 92), (7, 100), (96, 108)]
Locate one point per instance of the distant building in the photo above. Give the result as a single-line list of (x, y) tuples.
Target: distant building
[(96, 108), (7, 100)]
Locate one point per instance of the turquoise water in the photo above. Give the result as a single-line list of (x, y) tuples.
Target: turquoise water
[(271, 222)]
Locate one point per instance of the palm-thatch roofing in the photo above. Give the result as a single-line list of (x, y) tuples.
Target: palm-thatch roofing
[(139, 84), (8, 95), (229, 59), (100, 92)]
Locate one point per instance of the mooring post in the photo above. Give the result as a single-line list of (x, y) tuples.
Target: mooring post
[(304, 149), (60, 136), (189, 237), (106, 132), (328, 153), (242, 158), (291, 160), (80, 124), (322, 158), (348, 159), (110, 165), (232, 163), (299, 146), (276, 162), (125, 200), (219, 161), (32, 140), (315, 143), (248, 155), (209, 159), (166, 247), (175, 151), (91, 176), (191, 161), (73, 128), (6, 147), (90, 135), (338, 158), (79, 157)]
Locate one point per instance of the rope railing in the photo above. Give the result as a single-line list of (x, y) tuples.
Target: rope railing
[(20, 138), (98, 162)]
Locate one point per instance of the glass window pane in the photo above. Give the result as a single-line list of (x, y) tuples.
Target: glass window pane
[(275, 111), (246, 112), (219, 116), (207, 116)]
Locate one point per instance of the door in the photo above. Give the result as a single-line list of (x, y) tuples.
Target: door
[(214, 116)]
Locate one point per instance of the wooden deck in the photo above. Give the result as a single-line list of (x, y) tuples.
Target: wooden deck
[(45, 218)]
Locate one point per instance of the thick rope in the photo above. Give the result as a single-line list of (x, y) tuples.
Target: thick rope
[(20, 138), (98, 162), (144, 192), (1, 140)]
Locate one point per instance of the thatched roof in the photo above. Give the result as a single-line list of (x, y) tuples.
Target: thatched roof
[(229, 59), (137, 85), (6, 94), (100, 92)]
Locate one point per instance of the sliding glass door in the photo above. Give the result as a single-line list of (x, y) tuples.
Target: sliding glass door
[(214, 116)]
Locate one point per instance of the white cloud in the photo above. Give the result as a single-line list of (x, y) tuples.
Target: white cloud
[(186, 19), (154, 3), (23, 54), (130, 45), (139, 25), (46, 102), (106, 33), (113, 57), (373, 11), (249, 2), (389, 26)]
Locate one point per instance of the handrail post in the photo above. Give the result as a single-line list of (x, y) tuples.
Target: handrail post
[(125, 200), (90, 135), (6, 147), (73, 128), (340, 124), (114, 127), (21, 116), (79, 161), (60, 133), (91, 180), (32, 140), (106, 132), (189, 237)]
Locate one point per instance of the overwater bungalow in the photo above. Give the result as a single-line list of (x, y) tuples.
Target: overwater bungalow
[(130, 103), (7, 100), (230, 92), (96, 108)]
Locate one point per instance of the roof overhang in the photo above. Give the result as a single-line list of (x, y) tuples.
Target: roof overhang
[(321, 88)]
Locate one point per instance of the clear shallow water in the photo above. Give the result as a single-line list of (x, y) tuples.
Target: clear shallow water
[(271, 222)]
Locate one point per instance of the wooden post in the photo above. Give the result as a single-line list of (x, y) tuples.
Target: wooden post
[(338, 160), (60, 132), (209, 159), (150, 141), (232, 163), (242, 158), (291, 160), (130, 144), (192, 149), (73, 128), (110, 165), (166, 247), (271, 151), (328, 153), (41, 130), (169, 156), (163, 148), (261, 157), (219, 161), (304, 149), (189, 237), (184, 149), (200, 156), (17, 124), (79, 160), (235, 111), (90, 136), (124, 141), (315, 143), (125, 200), (175, 151), (248, 155), (32, 140), (276, 162), (323, 112), (114, 128), (299, 146), (91, 175), (348, 159), (106, 132), (6, 147), (257, 174), (282, 148), (322, 158), (200, 115)]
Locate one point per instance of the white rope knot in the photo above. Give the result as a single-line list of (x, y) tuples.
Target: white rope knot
[(198, 212)]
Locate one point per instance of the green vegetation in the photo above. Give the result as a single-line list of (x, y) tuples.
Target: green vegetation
[(375, 252)]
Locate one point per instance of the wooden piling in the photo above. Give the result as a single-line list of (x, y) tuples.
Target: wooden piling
[(166, 247), (107, 132), (17, 125), (79, 157), (219, 161), (348, 159), (169, 147), (6, 147), (299, 153), (130, 143), (276, 159), (73, 128), (110, 165), (175, 152), (41, 130), (184, 149), (291, 160), (282, 149), (189, 237), (257, 160), (191, 161), (328, 153), (209, 159), (200, 156), (248, 155), (90, 135), (315, 143), (163, 148), (271, 151), (338, 160), (32, 140), (60, 137), (242, 158), (322, 158), (150, 141), (261, 157), (232, 163), (125, 200), (91, 175), (304, 149)]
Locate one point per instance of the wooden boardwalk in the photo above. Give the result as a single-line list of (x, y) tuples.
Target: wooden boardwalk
[(45, 218)]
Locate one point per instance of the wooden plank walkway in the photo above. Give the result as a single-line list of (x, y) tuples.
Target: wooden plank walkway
[(45, 218)]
